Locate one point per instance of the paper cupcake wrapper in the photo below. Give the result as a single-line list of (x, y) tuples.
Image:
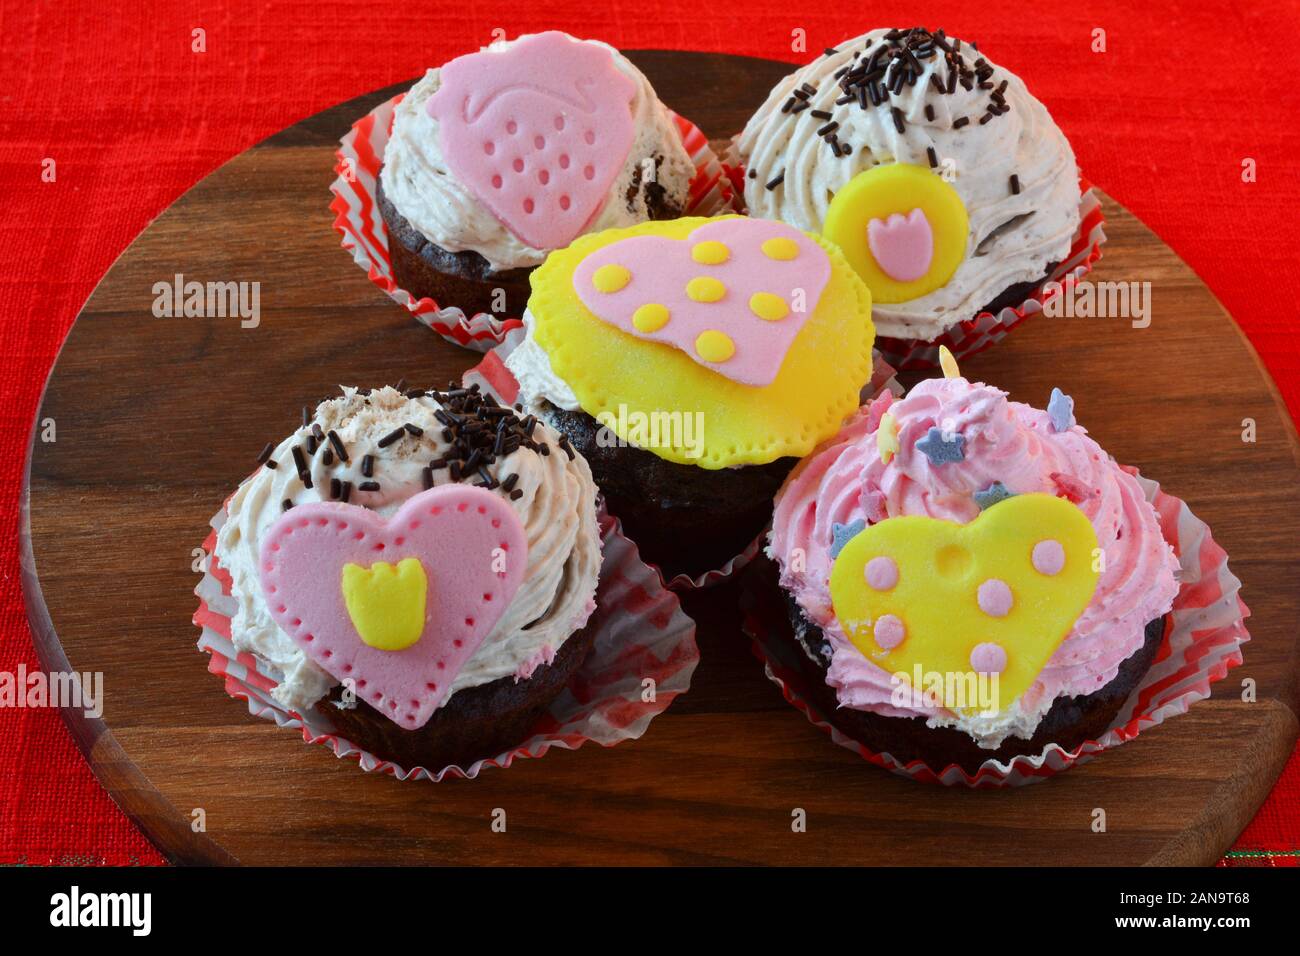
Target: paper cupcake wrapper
[(978, 333), (640, 632), (1203, 637), (361, 227), (493, 375)]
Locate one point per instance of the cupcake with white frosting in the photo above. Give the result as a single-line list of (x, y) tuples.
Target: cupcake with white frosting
[(945, 182), (500, 156), (970, 578), (418, 567)]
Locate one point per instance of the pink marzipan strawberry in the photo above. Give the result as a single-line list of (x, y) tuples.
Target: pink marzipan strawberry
[(538, 130)]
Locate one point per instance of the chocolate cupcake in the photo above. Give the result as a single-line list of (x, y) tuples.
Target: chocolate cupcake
[(500, 156), (692, 363), (945, 182), (968, 578), (418, 568)]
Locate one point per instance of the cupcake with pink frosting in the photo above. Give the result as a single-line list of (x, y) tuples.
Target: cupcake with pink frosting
[(970, 578)]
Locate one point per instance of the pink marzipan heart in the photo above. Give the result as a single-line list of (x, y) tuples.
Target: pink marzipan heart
[(903, 246), (661, 268), (538, 131), (454, 531)]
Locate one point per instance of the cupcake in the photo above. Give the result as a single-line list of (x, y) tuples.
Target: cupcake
[(944, 181), (969, 578), (500, 156), (692, 363), (418, 568)]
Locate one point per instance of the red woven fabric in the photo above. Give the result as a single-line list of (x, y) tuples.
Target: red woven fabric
[(1162, 121)]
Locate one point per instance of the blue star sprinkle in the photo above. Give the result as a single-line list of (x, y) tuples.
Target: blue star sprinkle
[(841, 534), (941, 450), (992, 495), (1061, 410)]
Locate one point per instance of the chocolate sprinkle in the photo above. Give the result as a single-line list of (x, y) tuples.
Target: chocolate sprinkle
[(1015, 185), (934, 159), (265, 455), (776, 180), (368, 466), (391, 437), (368, 486), (338, 445), (286, 504), (898, 62)]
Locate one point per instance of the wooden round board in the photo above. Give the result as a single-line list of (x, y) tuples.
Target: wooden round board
[(157, 420)]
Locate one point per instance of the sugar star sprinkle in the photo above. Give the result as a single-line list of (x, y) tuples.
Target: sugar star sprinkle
[(1061, 410), (940, 449), (887, 438), (948, 363), (992, 495), (842, 534)]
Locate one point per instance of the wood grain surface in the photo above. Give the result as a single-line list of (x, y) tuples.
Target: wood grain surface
[(158, 419)]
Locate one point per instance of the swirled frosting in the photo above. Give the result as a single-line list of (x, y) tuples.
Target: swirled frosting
[(845, 480), (417, 180), (557, 508), (1014, 236)]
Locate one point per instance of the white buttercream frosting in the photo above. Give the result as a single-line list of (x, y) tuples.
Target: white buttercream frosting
[(418, 182), (531, 367), (557, 509), (1013, 236)]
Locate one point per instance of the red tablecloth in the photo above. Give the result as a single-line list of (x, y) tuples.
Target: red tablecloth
[(1162, 120)]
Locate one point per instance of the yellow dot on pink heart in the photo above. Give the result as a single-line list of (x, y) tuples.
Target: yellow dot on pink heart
[(710, 253), (714, 346), (781, 248), (771, 308), (610, 278), (650, 317), (705, 289)]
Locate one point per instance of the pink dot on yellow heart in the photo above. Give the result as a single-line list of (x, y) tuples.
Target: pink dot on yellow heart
[(988, 658), (881, 573), (714, 346), (703, 289), (781, 248), (710, 253), (767, 306), (610, 278), (650, 317), (1048, 557), (995, 598), (889, 631)]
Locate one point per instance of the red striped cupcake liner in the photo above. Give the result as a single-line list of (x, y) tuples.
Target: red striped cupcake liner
[(987, 328), (1203, 637), (641, 633), (361, 227), (491, 373)]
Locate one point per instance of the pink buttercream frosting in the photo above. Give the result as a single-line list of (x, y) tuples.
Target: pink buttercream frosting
[(844, 481)]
